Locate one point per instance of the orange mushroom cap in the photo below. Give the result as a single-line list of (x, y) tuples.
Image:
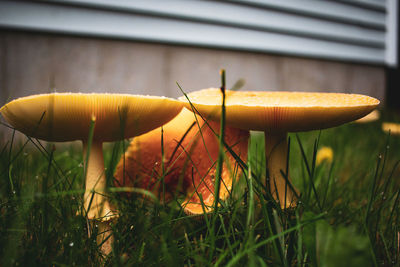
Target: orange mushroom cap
[(190, 151)]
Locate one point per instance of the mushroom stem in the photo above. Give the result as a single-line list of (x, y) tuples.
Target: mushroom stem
[(104, 236), (96, 204), (276, 148)]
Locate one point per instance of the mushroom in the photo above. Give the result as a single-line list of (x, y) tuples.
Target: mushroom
[(190, 150), (276, 114), (60, 117), (392, 127), (373, 116)]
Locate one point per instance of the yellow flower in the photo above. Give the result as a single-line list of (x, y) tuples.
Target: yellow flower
[(325, 153)]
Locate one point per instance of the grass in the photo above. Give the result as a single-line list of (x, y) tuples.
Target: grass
[(347, 215)]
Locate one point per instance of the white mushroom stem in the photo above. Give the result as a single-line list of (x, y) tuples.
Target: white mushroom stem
[(96, 204), (276, 148), (105, 236)]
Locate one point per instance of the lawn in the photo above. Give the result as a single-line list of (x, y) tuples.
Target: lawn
[(347, 213)]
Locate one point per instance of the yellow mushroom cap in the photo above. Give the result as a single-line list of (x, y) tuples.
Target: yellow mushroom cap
[(373, 116), (281, 111), (67, 116), (392, 127)]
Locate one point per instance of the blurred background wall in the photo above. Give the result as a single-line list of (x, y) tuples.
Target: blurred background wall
[(145, 47)]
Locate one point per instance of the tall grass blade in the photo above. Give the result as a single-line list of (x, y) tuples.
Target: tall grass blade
[(219, 166), (238, 256), (371, 196)]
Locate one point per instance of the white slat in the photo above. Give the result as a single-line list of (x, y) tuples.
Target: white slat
[(245, 16), (325, 9), (378, 5)]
